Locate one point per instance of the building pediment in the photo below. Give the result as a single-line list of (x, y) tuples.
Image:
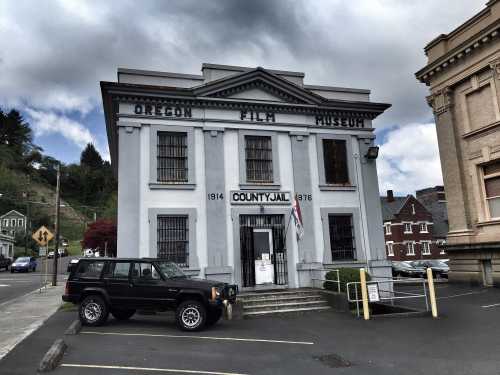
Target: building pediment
[(258, 84)]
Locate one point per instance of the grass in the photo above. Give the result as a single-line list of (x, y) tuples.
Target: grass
[(74, 247), (68, 306)]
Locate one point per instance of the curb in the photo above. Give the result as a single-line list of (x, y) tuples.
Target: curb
[(74, 328), (53, 356)]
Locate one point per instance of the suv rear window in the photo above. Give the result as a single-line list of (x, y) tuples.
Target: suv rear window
[(91, 270), (119, 270)]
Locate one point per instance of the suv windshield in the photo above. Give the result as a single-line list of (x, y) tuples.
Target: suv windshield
[(170, 270), (22, 260)]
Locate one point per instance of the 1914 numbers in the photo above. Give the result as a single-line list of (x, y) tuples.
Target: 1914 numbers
[(215, 196)]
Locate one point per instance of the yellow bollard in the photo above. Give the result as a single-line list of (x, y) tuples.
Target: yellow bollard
[(432, 293), (364, 293)]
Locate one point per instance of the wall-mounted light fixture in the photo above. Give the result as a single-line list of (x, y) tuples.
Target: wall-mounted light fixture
[(372, 152)]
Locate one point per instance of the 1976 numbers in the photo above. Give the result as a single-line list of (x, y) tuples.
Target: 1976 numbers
[(304, 197)]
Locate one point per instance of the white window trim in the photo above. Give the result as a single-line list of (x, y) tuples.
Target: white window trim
[(426, 230), (390, 248), (411, 227), (387, 227), (428, 246), (408, 253)]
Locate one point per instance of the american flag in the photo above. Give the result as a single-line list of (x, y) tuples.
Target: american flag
[(297, 216)]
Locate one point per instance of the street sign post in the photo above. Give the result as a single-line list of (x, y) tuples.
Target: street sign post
[(42, 236)]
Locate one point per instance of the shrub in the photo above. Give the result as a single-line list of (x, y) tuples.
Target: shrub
[(346, 275)]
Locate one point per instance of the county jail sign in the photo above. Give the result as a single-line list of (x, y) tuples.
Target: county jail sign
[(260, 197)]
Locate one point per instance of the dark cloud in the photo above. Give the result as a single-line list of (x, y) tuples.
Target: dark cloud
[(54, 54)]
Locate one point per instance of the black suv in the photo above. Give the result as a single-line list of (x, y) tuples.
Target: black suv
[(121, 286)]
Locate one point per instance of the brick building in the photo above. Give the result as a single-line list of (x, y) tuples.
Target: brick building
[(408, 229), (434, 200)]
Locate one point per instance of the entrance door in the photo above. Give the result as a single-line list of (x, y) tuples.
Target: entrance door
[(263, 253), (263, 234)]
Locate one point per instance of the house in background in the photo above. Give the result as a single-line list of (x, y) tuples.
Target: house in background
[(6, 245), (408, 229), (13, 222), (434, 200)]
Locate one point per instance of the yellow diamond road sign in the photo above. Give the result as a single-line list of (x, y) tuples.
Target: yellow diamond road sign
[(43, 236)]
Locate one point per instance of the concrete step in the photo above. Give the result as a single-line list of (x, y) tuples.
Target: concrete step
[(277, 294), (286, 306), (283, 299), (285, 311)]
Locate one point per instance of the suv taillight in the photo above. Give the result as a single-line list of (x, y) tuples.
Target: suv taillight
[(66, 288)]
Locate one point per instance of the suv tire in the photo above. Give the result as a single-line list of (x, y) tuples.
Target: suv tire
[(191, 315), (93, 311), (213, 317), (122, 314)]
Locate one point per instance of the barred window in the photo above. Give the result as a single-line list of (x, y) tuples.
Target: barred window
[(335, 160), (173, 239), (341, 237), (172, 157), (259, 159)]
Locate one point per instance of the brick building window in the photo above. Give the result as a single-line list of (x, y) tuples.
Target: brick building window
[(491, 174), (172, 157), (341, 237), (173, 239), (259, 159), (390, 249), (423, 228), (426, 248), (335, 160), (410, 248), (408, 228), (387, 227)]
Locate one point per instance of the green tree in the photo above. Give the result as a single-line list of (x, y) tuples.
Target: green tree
[(91, 158)]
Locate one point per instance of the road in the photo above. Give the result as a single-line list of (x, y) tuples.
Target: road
[(13, 285)]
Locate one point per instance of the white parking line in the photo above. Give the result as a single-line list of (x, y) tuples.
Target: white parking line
[(4, 285), (492, 305), (131, 368), (462, 294), (199, 337)]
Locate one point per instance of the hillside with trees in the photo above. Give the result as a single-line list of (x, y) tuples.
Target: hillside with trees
[(28, 179)]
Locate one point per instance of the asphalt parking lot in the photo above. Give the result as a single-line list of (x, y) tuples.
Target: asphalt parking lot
[(464, 340)]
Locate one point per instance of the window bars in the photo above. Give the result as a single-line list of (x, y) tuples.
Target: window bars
[(172, 157), (173, 239), (259, 159), (342, 237), (335, 160)]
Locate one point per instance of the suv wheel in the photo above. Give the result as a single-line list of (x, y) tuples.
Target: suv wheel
[(191, 315), (122, 314), (213, 316), (93, 311)]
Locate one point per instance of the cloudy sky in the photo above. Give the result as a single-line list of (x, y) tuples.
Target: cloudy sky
[(54, 53)]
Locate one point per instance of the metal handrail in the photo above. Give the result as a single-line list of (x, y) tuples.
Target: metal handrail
[(331, 281), (392, 293)]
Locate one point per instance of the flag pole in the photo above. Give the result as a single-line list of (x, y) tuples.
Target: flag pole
[(287, 226)]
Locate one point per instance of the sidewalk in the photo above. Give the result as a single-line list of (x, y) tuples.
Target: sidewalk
[(24, 315)]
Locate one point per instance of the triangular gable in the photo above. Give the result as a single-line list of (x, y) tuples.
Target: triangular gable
[(12, 211), (411, 198), (258, 79)]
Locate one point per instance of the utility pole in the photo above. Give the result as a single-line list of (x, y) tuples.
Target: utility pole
[(56, 245)]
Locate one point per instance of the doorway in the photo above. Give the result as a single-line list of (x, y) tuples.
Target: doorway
[(262, 250)]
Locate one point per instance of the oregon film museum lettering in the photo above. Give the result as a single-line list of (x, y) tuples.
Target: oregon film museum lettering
[(225, 178), (245, 115)]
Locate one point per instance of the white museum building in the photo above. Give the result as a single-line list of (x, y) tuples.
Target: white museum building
[(209, 166)]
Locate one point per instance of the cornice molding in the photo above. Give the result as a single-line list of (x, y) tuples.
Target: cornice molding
[(486, 36)]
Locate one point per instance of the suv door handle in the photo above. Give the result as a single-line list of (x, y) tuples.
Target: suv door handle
[(131, 285)]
